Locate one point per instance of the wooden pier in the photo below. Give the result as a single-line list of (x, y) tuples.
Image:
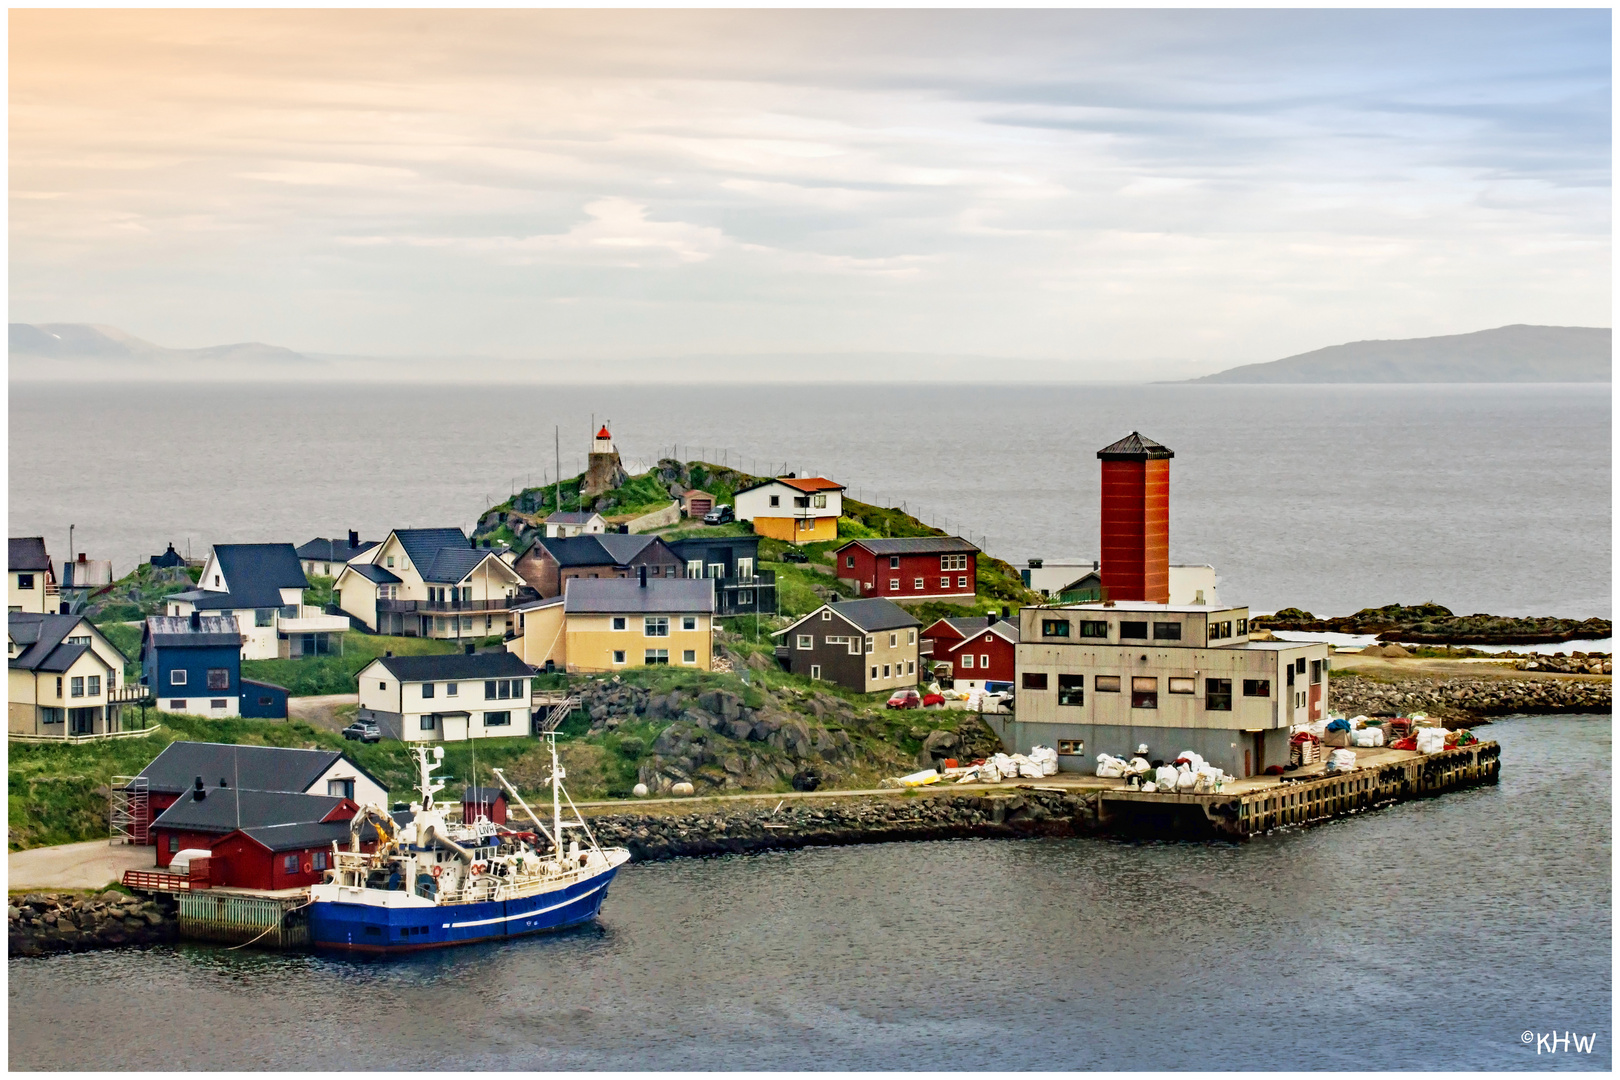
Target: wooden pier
[(240, 916)]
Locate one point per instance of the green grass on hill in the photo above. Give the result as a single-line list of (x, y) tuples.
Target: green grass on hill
[(335, 674)]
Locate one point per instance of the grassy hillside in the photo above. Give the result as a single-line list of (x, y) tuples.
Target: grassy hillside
[(140, 593), (335, 674)]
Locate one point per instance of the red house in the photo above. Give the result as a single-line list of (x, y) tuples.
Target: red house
[(281, 856), (205, 816), (911, 568), (486, 801), (979, 650)]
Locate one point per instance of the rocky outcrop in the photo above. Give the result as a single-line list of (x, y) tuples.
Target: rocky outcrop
[(40, 924), (1465, 700), (1576, 664), (737, 829), (1434, 624)]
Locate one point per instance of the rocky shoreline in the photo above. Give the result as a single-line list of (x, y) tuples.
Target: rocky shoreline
[(1432, 624), (1461, 700), (41, 924)]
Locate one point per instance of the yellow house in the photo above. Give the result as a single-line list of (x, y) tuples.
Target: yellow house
[(608, 624), (798, 511), (65, 677), (31, 581)]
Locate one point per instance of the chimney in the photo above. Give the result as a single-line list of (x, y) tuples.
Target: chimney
[(1006, 612), (200, 791), (196, 624), (641, 572), (388, 652), (993, 618), (472, 542), (81, 556), (1136, 520), (468, 649), (354, 539)]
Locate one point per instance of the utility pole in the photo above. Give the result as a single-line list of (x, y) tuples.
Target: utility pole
[(556, 433)]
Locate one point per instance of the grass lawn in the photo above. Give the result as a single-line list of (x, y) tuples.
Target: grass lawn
[(335, 674)]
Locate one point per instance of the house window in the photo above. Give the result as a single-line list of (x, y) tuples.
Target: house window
[(944, 582), (1218, 695), (620, 622), (869, 643), (953, 562), (174, 844), (826, 615), (1243, 626), (1299, 665), (655, 626), (1290, 671), (694, 568), (961, 582), (657, 656), (688, 622), (689, 656), (776, 500), (911, 637), (967, 660), (1071, 689), (894, 584), (984, 660), (289, 863), (911, 667), (1093, 629), (216, 703), (874, 671), (94, 687), (390, 560), (917, 583), (1256, 687), (25, 581), (849, 561), (498, 719), (807, 641), (466, 622), (427, 689), (894, 640), (1054, 627), (1071, 746), (343, 789), (318, 860), (885, 671), (815, 671), (1316, 674), (1182, 686), (618, 656), (59, 685), (1166, 631), (176, 706), (1034, 680), (818, 501), (1144, 691), (1133, 630), (382, 686), (264, 616), (429, 722), (451, 689), (894, 562), (76, 686)]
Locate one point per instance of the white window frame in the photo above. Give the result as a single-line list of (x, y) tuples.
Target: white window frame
[(917, 584), (894, 641), (656, 626), (826, 615), (177, 677), (967, 661), (689, 656), (618, 656), (984, 660), (911, 636), (688, 622), (894, 584), (620, 622), (815, 671), (806, 641)]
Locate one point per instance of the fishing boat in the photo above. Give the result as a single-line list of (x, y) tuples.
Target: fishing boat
[(433, 881)]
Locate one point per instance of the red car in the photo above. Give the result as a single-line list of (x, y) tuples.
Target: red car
[(905, 699)]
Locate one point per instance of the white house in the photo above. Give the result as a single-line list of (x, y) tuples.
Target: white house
[(262, 586), (448, 698), (31, 580), (566, 523), (1191, 584), (795, 510)]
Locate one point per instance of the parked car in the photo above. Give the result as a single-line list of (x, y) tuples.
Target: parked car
[(905, 699), (719, 516), (363, 730), (794, 554)]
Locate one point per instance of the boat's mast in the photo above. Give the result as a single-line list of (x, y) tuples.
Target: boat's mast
[(556, 798)]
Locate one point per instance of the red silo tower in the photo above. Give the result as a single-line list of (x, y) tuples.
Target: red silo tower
[(1136, 520)]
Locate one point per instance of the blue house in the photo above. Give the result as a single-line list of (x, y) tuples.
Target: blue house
[(193, 664)]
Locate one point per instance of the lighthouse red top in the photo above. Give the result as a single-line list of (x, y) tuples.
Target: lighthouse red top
[(603, 434)]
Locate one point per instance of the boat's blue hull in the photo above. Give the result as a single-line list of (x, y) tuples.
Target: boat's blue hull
[(364, 928)]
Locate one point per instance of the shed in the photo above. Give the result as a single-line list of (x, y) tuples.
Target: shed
[(695, 503), (485, 801)]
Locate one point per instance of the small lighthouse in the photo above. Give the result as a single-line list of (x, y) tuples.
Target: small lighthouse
[(603, 471), (1136, 519)]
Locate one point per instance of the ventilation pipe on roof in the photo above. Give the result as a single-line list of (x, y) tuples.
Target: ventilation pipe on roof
[(993, 618), (388, 653), (200, 791), (641, 572), (1006, 612), (354, 539), (222, 782)]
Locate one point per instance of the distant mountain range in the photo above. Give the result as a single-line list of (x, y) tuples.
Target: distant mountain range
[(108, 344), (1508, 354)]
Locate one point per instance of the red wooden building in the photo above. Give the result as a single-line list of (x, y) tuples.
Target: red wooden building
[(911, 568), (487, 801), (205, 816), (979, 650), (281, 856)]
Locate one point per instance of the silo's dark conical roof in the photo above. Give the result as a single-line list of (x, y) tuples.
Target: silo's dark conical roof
[(1135, 446)]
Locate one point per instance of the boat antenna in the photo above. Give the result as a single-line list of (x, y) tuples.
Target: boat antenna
[(236, 782)]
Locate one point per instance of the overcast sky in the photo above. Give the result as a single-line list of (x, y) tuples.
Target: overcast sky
[(1087, 187)]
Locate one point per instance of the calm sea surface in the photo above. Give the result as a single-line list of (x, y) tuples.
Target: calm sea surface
[(1427, 936), (1483, 498)]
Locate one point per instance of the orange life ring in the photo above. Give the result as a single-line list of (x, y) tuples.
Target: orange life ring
[(478, 869), (308, 868), (436, 871)]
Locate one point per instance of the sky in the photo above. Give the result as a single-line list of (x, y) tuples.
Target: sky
[(1098, 191)]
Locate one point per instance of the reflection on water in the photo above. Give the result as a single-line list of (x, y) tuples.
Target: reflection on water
[(1477, 916)]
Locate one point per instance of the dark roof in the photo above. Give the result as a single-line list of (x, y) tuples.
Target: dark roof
[(375, 573), (306, 834), (967, 624), (44, 635), (422, 546), (255, 574), (454, 667), (170, 631), (606, 549), (227, 809), (875, 613), (621, 595), (1133, 447), (259, 768), (693, 545), (482, 794), (1002, 628), (916, 545), (571, 517), (208, 600), (170, 557), (452, 564), (27, 553), (336, 549)]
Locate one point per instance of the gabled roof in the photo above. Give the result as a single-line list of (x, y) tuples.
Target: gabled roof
[(85, 573), (372, 572), (422, 546), (455, 667), (482, 794), (572, 517), (306, 834), (255, 574), (618, 596), (916, 545), (1006, 629), (870, 615), (962, 624), (604, 549), (170, 631), (27, 553), (44, 636), (808, 484), (1135, 447), (226, 809), (336, 549), (455, 564), (259, 768)]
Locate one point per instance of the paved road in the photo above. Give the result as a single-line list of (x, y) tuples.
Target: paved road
[(321, 711), (89, 865)]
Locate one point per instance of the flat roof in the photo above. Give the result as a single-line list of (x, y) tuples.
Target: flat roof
[(1143, 607)]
